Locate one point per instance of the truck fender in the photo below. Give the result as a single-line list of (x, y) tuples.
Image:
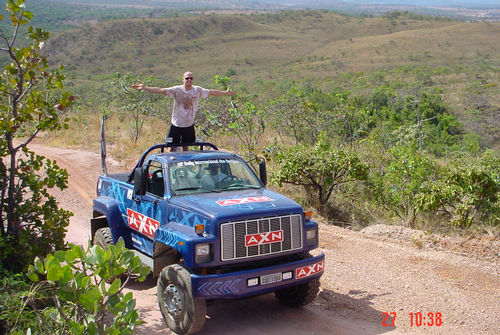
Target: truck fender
[(181, 238), (109, 207), (164, 255)]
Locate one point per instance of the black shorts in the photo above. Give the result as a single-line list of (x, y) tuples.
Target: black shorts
[(181, 135)]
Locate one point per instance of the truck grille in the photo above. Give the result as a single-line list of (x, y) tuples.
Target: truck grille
[(246, 239)]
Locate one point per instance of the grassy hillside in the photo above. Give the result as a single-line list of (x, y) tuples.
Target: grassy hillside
[(214, 42), (325, 49)]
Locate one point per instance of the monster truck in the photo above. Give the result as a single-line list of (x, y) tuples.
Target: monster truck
[(209, 229)]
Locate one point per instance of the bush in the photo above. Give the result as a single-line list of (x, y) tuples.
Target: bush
[(467, 191), (85, 303), (320, 169), (18, 301), (396, 186), (31, 102)]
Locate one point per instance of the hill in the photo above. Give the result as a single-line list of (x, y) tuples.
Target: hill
[(326, 49), (248, 42)]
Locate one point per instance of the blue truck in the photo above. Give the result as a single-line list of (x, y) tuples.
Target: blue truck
[(207, 226)]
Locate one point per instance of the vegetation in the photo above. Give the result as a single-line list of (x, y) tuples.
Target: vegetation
[(321, 170), (466, 191), (32, 101), (392, 118), (398, 93), (84, 304), (71, 296), (57, 15)]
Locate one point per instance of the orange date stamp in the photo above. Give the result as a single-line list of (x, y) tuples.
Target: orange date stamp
[(417, 319)]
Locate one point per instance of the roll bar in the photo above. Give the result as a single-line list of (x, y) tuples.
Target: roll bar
[(163, 146)]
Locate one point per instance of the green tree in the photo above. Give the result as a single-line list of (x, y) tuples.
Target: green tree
[(242, 120), (247, 124), (350, 118), (31, 101), (133, 102), (397, 186), (294, 115), (467, 190), (320, 169)]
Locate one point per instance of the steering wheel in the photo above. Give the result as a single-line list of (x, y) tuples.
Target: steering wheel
[(230, 178)]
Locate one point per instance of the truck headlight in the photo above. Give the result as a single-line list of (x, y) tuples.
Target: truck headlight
[(202, 253), (311, 237)]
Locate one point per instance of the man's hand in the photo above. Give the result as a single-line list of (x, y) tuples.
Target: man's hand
[(139, 87)]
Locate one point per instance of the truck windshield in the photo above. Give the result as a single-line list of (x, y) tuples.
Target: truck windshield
[(217, 175)]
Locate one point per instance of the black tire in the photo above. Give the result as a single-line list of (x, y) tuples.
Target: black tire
[(102, 238), (300, 295), (183, 313)]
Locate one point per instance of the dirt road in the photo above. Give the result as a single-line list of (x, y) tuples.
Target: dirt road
[(370, 277)]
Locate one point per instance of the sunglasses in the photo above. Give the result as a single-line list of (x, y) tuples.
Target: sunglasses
[(189, 78)]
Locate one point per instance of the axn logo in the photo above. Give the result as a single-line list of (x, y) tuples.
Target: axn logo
[(230, 202), (264, 238), (141, 223), (310, 270)]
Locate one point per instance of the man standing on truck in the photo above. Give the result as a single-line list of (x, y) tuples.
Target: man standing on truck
[(186, 100)]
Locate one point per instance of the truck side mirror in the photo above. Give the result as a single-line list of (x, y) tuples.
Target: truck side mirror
[(140, 180), (263, 171)]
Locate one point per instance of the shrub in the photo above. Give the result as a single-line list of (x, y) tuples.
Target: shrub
[(85, 303), (396, 186), (467, 190), (31, 101), (320, 169)]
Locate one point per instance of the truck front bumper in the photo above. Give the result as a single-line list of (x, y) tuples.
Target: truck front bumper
[(257, 281)]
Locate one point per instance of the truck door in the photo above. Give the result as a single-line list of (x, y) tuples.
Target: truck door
[(148, 211)]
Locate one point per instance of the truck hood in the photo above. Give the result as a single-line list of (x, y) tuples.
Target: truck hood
[(236, 205)]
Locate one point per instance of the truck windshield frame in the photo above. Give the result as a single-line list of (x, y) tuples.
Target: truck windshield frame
[(211, 175)]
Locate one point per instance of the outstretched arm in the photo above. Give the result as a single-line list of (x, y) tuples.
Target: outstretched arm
[(156, 90), (219, 93)]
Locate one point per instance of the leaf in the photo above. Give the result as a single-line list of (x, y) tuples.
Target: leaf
[(28, 15), (60, 255), (89, 300), (115, 287), (54, 273), (67, 274), (39, 265), (32, 274), (70, 256), (76, 328)]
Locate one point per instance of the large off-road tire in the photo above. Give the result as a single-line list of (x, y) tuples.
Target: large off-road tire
[(300, 295), (102, 238), (183, 313)]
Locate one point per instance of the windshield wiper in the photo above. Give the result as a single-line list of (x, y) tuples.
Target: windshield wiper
[(240, 187), (186, 189)]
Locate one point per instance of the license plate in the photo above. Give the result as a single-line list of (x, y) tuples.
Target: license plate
[(271, 278)]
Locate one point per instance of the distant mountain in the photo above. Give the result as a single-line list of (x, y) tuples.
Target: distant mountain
[(460, 9), (432, 3), (417, 3)]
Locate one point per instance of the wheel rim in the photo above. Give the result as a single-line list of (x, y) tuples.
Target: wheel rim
[(173, 301)]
